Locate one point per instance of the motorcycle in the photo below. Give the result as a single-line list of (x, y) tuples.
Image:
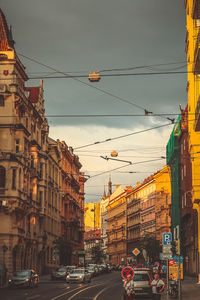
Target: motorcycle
[(173, 289)]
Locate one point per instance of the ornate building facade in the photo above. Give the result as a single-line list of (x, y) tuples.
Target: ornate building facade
[(116, 227), (31, 174)]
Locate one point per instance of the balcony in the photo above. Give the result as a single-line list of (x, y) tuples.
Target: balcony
[(196, 9), (197, 55)]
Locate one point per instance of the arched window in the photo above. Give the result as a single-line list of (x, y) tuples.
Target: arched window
[(2, 177)]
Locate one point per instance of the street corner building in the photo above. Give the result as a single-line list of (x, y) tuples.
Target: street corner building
[(192, 194), (41, 185)]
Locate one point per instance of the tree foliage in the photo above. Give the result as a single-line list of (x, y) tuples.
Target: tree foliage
[(64, 250), (152, 247), (97, 254)]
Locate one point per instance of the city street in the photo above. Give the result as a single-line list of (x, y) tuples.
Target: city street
[(103, 287)]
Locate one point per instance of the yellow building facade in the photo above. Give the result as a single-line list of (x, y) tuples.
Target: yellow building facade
[(92, 216), (116, 227), (193, 88), (163, 202)]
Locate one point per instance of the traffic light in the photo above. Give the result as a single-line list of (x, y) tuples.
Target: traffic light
[(173, 247)]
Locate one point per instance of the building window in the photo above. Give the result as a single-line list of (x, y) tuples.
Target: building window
[(2, 103), (182, 201), (185, 199), (20, 174), (32, 161), (14, 175), (197, 22), (2, 177), (41, 170), (184, 170), (17, 141), (40, 198)]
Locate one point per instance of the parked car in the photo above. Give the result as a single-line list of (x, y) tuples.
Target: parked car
[(142, 282), (70, 268), (59, 273), (27, 278), (78, 275), (91, 270)]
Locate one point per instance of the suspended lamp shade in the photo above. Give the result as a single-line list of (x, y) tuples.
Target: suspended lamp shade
[(94, 77), (114, 153)]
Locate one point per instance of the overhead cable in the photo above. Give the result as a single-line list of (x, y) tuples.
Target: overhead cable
[(122, 136)]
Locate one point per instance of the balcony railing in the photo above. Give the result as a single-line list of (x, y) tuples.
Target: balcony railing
[(197, 116)]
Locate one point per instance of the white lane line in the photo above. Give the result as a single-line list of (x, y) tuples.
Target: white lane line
[(59, 296), (99, 293), (89, 287)]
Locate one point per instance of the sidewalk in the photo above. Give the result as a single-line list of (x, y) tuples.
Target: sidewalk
[(190, 289)]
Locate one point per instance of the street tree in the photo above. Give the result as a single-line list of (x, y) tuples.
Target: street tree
[(97, 254)]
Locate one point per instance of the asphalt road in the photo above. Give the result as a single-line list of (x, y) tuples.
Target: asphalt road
[(103, 287)]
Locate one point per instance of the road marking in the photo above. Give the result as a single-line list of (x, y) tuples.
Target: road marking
[(89, 287), (59, 296), (99, 293), (33, 297)]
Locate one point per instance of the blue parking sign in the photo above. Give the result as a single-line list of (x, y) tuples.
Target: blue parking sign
[(167, 238)]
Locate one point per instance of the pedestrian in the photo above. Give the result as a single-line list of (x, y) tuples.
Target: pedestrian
[(158, 287), (129, 293)]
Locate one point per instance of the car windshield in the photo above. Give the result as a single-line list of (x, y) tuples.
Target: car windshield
[(61, 270), (141, 277), (79, 271), (22, 273)]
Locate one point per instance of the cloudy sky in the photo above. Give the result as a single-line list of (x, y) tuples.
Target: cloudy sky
[(119, 38)]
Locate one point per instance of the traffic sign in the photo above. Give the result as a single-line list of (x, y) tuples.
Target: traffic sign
[(127, 271), (136, 251), (167, 238)]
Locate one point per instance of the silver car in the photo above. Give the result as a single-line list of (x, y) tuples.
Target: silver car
[(78, 275), (142, 282)]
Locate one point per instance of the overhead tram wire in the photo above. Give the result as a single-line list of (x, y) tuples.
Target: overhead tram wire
[(87, 84), (125, 135), (126, 165), (122, 136), (152, 66), (146, 111), (103, 115), (110, 75)]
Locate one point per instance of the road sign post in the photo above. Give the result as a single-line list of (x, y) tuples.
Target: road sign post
[(167, 253)]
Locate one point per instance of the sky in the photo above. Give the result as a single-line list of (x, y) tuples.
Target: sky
[(118, 38)]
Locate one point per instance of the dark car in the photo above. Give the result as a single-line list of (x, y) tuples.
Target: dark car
[(59, 273), (28, 278)]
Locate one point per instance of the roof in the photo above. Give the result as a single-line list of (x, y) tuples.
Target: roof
[(6, 40)]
